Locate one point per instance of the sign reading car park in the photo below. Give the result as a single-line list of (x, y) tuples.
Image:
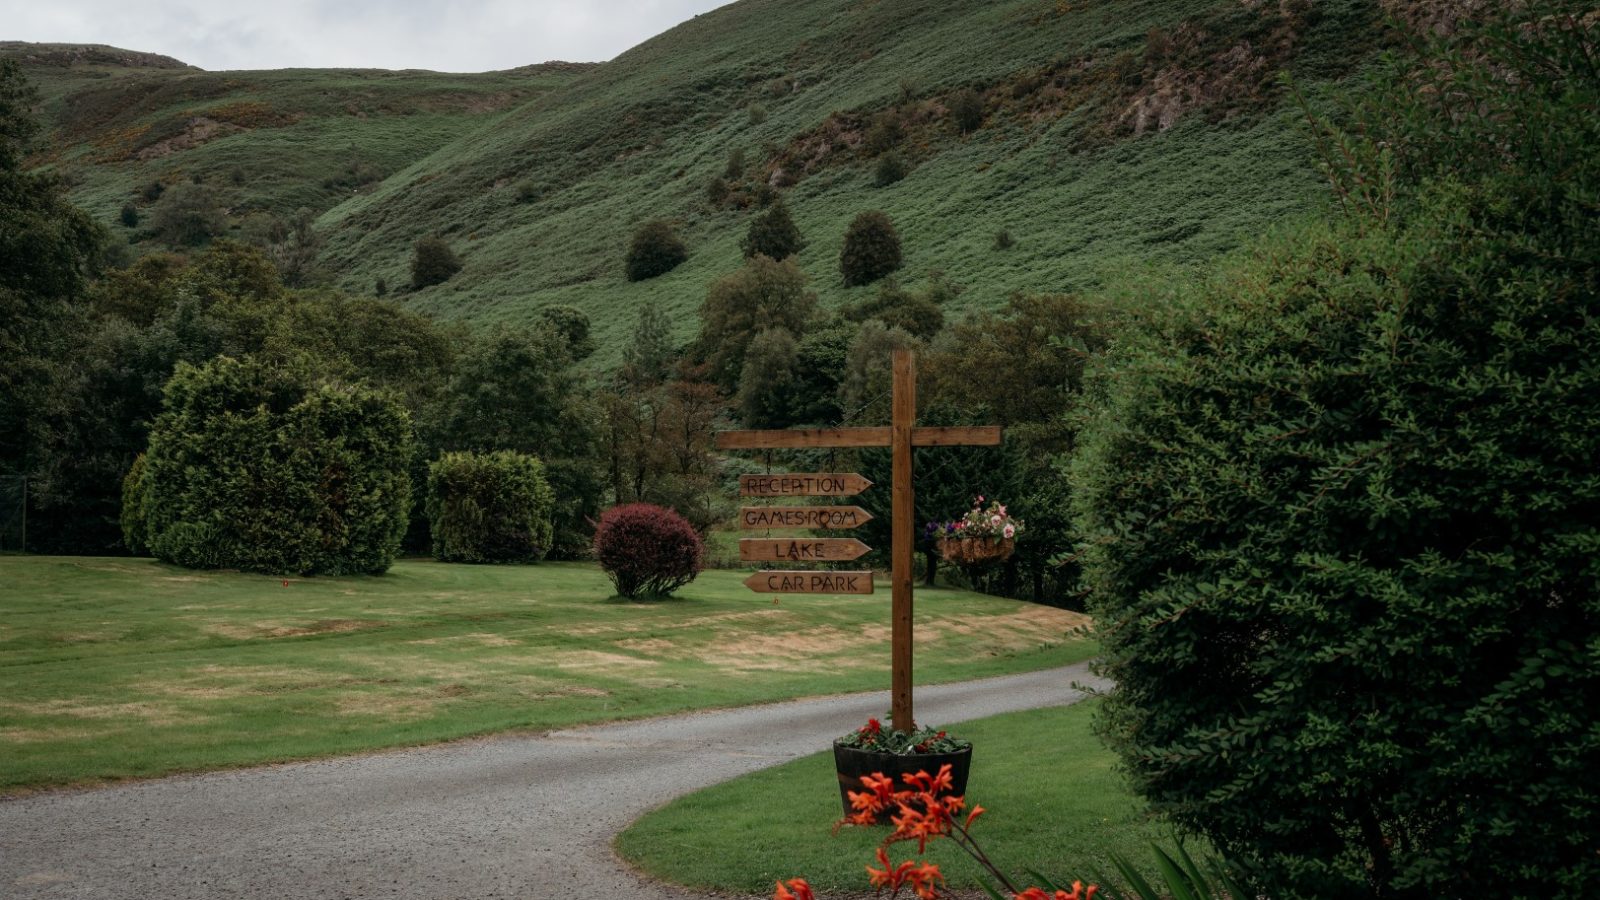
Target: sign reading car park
[(774, 581)]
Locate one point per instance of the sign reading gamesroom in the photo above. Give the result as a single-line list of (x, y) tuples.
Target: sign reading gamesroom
[(901, 435)]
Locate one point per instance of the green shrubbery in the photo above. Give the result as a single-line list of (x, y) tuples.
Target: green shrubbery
[(432, 262), (655, 250), (1342, 513), (133, 508), (891, 168), (263, 467), (773, 234), (489, 508), (871, 249), (763, 294)]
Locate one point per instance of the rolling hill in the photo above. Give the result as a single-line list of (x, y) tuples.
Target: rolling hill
[(1114, 134)]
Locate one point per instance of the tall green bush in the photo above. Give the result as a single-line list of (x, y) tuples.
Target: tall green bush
[(1342, 515), (655, 250), (871, 249), (265, 468), (489, 507), (432, 262), (133, 508), (763, 294), (773, 234)]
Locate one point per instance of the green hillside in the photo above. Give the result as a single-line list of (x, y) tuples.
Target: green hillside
[(1062, 160), (1114, 133), (272, 141)]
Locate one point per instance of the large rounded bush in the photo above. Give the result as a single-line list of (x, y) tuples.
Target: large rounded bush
[(1343, 515), (266, 468), (871, 249), (489, 507), (432, 262), (648, 551), (655, 250), (1344, 523)]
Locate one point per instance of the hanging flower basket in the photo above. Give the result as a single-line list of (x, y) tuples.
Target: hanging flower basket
[(968, 551), (983, 535)]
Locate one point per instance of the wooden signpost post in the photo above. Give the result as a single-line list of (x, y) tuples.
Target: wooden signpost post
[(901, 435)]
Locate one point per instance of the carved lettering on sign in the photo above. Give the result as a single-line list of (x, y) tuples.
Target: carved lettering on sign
[(780, 582), (802, 516), (803, 484), (801, 549)]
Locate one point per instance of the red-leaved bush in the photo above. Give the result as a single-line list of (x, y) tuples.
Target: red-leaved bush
[(647, 551)]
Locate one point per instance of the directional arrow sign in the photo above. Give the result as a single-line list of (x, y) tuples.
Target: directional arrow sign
[(777, 582), (802, 516), (801, 549), (803, 484)]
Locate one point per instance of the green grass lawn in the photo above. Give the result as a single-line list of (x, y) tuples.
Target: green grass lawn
[(1054, 805), (115, 668)]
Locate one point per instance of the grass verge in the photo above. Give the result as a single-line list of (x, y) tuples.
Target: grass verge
[(1055, 805), (114, 668)]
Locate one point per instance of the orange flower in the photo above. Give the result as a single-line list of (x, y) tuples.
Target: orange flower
[(976, 812), (922, 880), (1032, 893), (933, 784), (890, 876), (802, 891)]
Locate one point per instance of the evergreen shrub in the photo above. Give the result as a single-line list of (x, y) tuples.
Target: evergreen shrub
[(265, 468), (133, 508), (489, 507), (773, 234), (871, 249), (1342, 513), (647, 550), (656, 250), (432, 262), (891, 168)]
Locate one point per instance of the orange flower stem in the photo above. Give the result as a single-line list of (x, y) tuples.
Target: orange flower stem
[(964, 839)]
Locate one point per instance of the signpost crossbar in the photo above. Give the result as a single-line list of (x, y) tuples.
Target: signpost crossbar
[(845, 438)]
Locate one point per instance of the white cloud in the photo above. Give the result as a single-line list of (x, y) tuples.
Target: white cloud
[(459, 36)]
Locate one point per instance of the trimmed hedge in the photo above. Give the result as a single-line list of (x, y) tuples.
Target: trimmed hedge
[(647, 550), (490, 507), (265, 468), (1343, 526)]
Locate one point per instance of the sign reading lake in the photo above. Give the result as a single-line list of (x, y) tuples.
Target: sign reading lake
[(800, 549)]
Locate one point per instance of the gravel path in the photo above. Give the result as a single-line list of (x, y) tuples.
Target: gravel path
[(529, 817)]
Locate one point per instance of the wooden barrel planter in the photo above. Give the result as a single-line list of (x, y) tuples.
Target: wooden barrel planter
[(853, 763), (968, 551)]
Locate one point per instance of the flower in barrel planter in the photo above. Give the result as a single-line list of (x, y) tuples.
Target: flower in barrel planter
[(926, 808), (984, 534), (893, 755)]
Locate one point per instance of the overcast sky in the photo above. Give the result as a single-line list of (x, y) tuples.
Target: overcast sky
[(458, 36)]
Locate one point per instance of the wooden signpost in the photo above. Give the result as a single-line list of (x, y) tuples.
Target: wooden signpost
[(900, 436)]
